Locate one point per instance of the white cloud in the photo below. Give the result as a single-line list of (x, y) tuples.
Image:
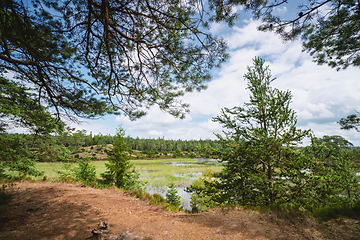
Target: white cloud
[(280, 10), (154, 133), (321, 95), (209, 125)]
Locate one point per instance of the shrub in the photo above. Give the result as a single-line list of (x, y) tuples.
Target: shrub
[(157, 199), (172, 196), (85, 171)]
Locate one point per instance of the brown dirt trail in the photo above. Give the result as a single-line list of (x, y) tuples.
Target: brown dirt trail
[(69, 211)]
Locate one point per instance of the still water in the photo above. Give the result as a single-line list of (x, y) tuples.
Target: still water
[(185, 197)]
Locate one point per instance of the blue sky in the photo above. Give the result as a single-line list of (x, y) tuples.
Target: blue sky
[(321, 95)]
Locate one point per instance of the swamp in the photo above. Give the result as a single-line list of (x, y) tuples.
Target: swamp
[(155, 174)]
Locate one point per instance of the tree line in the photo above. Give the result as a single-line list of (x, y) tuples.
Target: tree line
[(77, 139), (20, 148)]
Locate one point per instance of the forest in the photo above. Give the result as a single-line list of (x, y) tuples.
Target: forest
[(64, 61), (260, 151), (54, 147)]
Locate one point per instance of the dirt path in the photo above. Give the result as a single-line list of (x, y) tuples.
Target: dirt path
[(65, 211)]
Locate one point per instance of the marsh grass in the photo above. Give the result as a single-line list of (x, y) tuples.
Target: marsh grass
[(157, 173)]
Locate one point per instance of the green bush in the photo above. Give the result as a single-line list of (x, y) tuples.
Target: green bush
[(196, 203), (172, 196), (66, 171), (85, 171), (157, 199)]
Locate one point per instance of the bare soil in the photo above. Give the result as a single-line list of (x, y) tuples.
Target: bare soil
[(70, 211)]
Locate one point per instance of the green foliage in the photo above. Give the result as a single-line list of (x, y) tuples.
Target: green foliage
[(19, 108), (342, 168), (157, 199), (85, 171), (335, 177), (351, 122), (207, 151), (65, 145), (328, 146), (178, 153), (329, 29), (343, 180), (67, 170), (132, 179), (58, 153), (335, 142), (192, 155), (154, 199), (119, 170), (202, 193), (262, 166), (172, 196), (16, 156), (81, 61)]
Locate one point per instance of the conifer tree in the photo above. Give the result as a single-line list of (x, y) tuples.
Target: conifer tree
[(119, 170), (261, 165)]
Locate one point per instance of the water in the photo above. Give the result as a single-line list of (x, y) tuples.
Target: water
[(185, 197), (201, 161)]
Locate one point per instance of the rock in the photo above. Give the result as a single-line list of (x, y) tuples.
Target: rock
[(104, 225), (102, 233), (99, 232)]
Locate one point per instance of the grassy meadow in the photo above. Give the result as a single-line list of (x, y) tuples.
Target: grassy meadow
[(157, 173)]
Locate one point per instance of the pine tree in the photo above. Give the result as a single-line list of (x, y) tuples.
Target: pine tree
[(261, 164), (119, 166), (90, 58), (329, 29)]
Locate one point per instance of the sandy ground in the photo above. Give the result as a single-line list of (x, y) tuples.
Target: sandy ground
[(69, 211)]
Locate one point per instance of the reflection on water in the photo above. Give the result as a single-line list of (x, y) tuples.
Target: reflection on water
[(185, 197)]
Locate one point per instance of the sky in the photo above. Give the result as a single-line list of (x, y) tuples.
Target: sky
[(321, 95)]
